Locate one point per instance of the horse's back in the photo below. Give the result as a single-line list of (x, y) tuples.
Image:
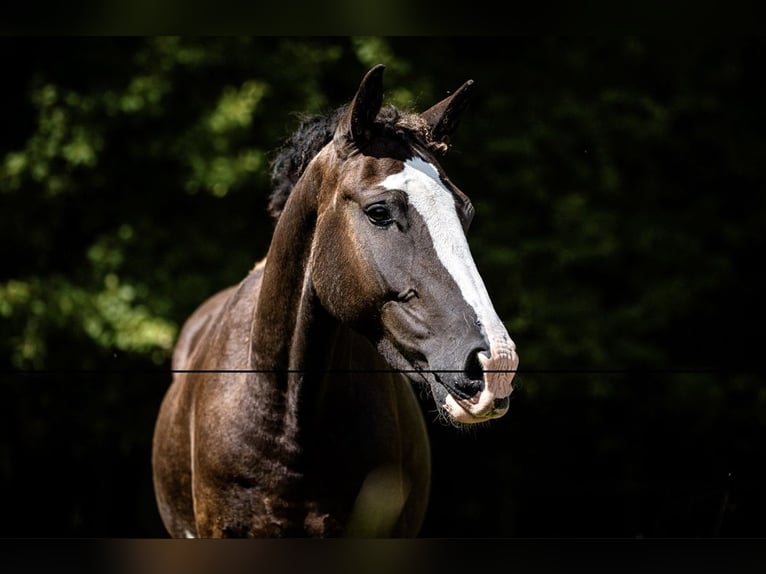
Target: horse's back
[(231, 308), (214, 331), (195, 326)]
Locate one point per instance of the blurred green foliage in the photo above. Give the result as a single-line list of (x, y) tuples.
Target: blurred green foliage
[(619, 188)]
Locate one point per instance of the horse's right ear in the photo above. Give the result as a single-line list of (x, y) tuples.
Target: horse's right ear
[(355, 126), (443, 117)]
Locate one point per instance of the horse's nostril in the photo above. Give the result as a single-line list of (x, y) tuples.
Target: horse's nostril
[(472, 368), (473, 380)]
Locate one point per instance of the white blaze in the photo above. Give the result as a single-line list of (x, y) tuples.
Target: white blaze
[(435, 204)]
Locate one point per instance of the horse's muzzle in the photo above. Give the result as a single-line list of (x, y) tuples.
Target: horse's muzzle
[(492, 400)]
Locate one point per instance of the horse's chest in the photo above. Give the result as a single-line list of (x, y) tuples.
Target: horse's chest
[(370, 464)]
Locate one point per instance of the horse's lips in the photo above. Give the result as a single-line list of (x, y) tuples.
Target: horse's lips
[(466, 411), (481, 407)]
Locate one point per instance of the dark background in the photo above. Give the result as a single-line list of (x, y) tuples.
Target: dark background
[(619, 188)]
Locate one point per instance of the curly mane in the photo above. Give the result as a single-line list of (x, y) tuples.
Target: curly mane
[(316, 131)]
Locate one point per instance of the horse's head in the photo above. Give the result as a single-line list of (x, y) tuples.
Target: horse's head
[(390, 256)]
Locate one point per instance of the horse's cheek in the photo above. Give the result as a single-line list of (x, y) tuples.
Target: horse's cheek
[(339, 280)]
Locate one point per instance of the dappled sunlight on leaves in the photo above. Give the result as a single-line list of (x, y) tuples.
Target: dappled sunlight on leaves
[(113, 317)]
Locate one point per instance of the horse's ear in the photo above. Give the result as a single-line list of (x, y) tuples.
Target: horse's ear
[(356, 123), (444, 116)]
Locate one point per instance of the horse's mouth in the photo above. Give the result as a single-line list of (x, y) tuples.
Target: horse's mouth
[(477, 394), (460, 408), (467, 411)]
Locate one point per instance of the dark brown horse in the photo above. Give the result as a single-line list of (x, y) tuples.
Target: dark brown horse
[(291, 411)]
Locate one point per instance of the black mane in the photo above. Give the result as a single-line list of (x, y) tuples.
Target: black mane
[(316, 131), (313, 133)]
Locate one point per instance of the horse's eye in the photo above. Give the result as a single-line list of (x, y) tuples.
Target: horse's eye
[(378, 214)]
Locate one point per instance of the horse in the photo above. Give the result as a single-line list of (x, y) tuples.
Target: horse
[(292, 410)]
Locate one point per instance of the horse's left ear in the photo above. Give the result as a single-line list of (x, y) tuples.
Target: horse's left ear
[(444, 116), (356, 124)]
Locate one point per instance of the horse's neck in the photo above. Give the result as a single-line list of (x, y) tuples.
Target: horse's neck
[(292, 335), (283, 306)]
